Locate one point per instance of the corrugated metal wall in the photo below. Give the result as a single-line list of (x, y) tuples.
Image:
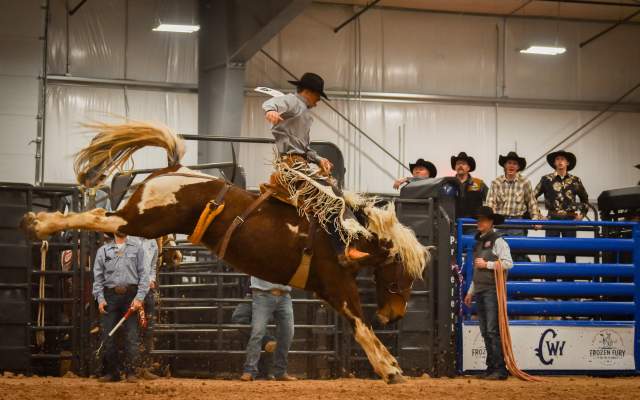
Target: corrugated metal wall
[(389, 51)]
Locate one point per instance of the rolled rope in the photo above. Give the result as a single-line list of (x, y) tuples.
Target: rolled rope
[(41, 293), (503, 319)]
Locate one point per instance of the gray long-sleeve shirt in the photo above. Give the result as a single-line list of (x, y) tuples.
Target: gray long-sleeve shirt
[(500, 249), (261, 284), (150, 247), (292, 134), (120, 267)]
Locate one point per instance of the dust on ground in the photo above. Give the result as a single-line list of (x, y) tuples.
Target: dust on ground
[(74, 388)]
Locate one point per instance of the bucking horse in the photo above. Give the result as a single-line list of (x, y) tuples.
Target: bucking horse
[(255, 233)]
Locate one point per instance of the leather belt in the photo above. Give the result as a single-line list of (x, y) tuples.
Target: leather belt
[(122, 289), (562, 214), (274, 292)]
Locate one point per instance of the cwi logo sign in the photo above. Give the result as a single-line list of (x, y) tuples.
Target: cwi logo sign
[(548, 348)]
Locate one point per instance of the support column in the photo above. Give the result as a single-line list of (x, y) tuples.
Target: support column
[(231, 32)]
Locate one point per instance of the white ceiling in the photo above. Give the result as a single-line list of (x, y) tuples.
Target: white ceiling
[(614, 11)]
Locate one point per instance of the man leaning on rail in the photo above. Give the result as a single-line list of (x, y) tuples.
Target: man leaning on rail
[(561, 192)]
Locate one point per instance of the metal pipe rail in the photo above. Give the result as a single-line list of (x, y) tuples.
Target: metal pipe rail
[(611, 289), (576, 270)]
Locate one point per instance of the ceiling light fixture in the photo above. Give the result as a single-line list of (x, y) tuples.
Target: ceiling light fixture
[(545, 50), (177, 28)]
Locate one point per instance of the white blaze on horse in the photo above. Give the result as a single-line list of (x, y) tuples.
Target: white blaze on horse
[(256, 234)]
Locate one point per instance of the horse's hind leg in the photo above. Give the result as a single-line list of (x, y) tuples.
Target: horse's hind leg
[(44, 224)]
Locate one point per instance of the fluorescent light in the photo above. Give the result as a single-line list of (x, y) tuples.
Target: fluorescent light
[(546, 50), (177, 28)]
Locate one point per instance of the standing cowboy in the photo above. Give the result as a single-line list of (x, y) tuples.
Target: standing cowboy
[(120, 282), (421, 169), (269, 300), (292, 121), (490, 250), (473, 190), (511, 195), (560, 190)]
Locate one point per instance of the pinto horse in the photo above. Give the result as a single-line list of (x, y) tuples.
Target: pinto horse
[(269, 243)]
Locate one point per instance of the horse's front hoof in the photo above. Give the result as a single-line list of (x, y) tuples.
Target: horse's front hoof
[(28, 225), (396, 378)]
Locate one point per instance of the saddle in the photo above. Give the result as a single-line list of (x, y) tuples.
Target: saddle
[(215, 207), (277, 191)]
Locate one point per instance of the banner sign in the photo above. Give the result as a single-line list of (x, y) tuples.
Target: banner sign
[(557, 347)]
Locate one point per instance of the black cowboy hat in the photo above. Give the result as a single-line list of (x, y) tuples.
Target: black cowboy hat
[(487, 212), (433, 171), (512, 155), (551, 158), (311, 81), (462, 156)]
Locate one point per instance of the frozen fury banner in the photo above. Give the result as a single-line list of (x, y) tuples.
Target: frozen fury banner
[(557, 347)]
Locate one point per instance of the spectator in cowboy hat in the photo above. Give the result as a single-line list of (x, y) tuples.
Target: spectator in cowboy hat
[(560, 190), (490, 250), (511, 195), (421, 169), (473, 190)]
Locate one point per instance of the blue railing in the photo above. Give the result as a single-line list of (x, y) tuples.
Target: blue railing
[(605, 298)]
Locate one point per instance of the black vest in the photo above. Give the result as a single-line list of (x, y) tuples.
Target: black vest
[(483, 279)]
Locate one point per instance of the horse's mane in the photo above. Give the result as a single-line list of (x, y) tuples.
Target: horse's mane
[(384, 223), (114, 145)]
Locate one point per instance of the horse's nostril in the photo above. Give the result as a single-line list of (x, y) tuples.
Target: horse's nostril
[(382, 319)]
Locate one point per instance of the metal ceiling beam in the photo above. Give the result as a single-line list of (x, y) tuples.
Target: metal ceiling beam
[(390, 97), (354, 16), (77, 7), (480, 14), (257, 23), (480, 101), (609, 29), (609, 107), (594, 3)]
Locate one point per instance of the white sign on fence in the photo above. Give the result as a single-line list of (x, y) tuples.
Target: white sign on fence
[(557, 347)]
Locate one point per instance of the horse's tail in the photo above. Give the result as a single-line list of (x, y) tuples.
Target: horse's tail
[(114, 145)]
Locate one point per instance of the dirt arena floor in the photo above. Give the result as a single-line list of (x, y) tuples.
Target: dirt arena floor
[(583, 388)]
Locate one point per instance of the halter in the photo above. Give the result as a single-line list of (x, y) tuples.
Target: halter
[(394, 287)]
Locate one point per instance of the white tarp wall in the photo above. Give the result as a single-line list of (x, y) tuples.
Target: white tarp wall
[(113, 39), (442, 54), (21, 55), (390, 51)]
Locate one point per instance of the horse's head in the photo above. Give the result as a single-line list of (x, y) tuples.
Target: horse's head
[(405, 261), (393, 289)]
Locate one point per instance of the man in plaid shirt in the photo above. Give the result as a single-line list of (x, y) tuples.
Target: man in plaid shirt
[(511, 195)]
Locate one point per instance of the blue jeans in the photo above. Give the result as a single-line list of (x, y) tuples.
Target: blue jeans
[(242, 315), (487, 309), (264, 307), (565, 234), (117, 305)]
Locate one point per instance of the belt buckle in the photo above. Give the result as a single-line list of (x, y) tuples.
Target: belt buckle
[(276, 292), (120, 289)]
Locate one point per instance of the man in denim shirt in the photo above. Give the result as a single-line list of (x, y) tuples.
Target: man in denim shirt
[(269, 299), (120, 282)]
